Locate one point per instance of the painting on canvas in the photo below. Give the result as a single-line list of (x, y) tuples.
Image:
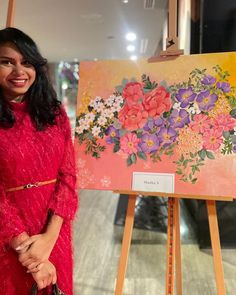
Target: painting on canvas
[(170, 125)]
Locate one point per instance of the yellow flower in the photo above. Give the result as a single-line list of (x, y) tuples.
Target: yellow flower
[(85, 100), (222, 106), (188, 141)]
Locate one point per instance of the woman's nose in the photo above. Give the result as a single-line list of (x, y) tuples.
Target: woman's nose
[(18, 69)]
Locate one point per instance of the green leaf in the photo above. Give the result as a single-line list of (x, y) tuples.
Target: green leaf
[(116, 148), (124, 81), (193, 169), (185, 163), (226, 134), (129, 161), (142, 155), (191, 155), (202, 154), (133, 158), (210, 155), (179, 172), (233, 113), (194, 180)]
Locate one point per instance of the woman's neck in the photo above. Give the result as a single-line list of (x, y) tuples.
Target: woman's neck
[(18, 99)]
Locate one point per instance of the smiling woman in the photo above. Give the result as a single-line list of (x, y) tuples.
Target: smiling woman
[(37, 173), (16, 73)]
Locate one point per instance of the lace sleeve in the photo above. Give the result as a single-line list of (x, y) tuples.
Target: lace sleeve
[(11, 224), (64, 201)]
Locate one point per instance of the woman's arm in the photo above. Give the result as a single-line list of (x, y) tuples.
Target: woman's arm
[(11, 225)]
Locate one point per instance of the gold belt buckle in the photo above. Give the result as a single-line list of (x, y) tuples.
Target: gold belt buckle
[(29, 185)]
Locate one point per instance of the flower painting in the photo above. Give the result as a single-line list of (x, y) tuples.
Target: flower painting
[(175, 116)]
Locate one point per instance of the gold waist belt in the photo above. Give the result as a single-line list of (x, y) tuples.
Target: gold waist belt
[(30, 185)]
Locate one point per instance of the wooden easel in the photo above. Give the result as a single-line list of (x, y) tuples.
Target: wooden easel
[(173, 259), (10, 13)]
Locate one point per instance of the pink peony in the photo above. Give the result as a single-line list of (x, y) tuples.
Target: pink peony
[(224, 122), (200, 123), (212, 139), (133, 93), (157, 101), (133, 117), (129, 143)]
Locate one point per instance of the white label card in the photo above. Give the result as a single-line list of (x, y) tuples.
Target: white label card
[(153, 182)]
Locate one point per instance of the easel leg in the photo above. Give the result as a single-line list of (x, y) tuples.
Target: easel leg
[(215, 243), (171, 246), (129, 221), (178, 265)]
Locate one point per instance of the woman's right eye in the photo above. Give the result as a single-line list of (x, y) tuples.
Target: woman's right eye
[(5, 62)]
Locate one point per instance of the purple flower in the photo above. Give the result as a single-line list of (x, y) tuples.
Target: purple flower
[(112, 134), (224, 86), (234, 147), (178, 119), (167, 136), (206, 100), (153, 125), (208, 80), (185, 96), (149, 143)]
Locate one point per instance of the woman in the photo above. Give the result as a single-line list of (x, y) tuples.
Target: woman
[(37, 173)]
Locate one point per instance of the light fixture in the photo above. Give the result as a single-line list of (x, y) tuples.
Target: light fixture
[(130, 48), (125, 1), (133, 57), (130, 36), (64, 85)]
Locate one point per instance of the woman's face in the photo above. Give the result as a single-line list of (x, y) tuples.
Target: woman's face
[(16, 74)]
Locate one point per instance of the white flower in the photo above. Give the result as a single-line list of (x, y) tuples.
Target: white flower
[(99, 107), (176, 106), (102, 120), (116, 107), (108, 113), (119, 99), (109, 102), (84, 124), (80, 163), (194, 109), (79, 129), (95, 101), (89, 117), (106, 181), (96, 130)]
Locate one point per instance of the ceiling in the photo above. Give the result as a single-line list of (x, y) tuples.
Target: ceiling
[(89, 29)]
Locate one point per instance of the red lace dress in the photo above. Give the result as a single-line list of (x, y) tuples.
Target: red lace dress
[(29, 156)]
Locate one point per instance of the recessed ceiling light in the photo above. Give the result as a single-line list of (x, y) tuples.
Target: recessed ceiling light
[(130, 48), (133, 57), (130, 36), (125, 1)]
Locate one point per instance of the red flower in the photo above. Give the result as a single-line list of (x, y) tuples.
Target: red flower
[(133, 117), (157, 101), (133, 93)]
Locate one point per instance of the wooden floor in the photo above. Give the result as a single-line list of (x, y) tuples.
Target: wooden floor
[(97, 244)]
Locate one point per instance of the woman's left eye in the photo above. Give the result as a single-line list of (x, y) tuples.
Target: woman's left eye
[(26, 63)]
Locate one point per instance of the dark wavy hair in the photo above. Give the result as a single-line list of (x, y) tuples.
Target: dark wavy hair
[(43, 105)]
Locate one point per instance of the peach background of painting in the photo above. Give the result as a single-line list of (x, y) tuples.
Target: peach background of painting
[(110, 172)]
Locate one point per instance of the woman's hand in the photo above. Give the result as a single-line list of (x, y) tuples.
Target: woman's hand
[(46, 275), (39, 248), (18, 240)]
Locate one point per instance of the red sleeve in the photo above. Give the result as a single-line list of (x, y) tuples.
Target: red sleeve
[(65, 201), (11, 224)]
